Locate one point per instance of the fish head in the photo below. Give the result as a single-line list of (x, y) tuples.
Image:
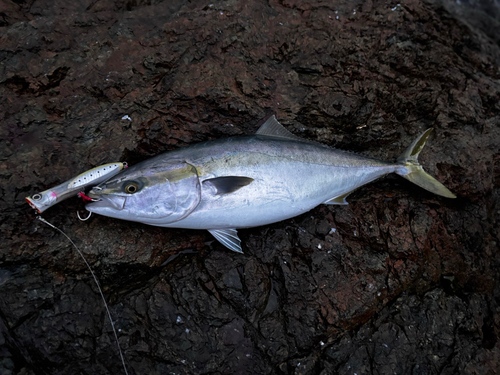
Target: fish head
[(151, 193)]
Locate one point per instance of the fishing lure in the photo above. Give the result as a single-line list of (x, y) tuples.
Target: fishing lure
[(48, 198)]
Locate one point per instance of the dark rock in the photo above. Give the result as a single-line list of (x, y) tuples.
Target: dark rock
[(400, 281)]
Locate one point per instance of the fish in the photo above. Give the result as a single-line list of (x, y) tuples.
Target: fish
[(46, 199), (247, 181)]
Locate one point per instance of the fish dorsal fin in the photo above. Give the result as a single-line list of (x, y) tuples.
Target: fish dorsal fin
[(228, 237), (228, 184), (273, 128)]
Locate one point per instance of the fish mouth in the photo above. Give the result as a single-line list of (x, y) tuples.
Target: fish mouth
[(101, 203)]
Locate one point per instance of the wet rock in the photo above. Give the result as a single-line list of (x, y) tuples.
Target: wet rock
[(398, 281), (436, 332)]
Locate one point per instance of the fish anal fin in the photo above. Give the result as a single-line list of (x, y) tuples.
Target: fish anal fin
[(341, 199), (228, 237), (228, 184)]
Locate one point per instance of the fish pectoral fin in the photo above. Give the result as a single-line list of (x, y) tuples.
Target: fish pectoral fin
[(229, 238), (228, 184), (341, 199)]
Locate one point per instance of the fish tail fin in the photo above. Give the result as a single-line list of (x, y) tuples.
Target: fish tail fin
[(414, 172)]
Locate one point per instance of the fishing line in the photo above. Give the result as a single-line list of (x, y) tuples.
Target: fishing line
[(98, 287)]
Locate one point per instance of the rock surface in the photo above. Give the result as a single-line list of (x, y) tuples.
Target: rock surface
[(400, 281)]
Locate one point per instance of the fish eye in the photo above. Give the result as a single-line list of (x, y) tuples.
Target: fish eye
[(36, 197), (131, 187)]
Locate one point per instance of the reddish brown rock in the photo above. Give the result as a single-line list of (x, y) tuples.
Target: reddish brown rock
[(400, 281)]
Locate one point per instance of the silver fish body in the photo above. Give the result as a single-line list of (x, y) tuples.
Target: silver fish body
[(243, 182)]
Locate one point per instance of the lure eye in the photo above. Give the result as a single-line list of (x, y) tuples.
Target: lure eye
[(36, 197), (131, 187)]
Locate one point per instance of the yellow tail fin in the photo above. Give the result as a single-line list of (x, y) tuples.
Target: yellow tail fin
[(415, 173)]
